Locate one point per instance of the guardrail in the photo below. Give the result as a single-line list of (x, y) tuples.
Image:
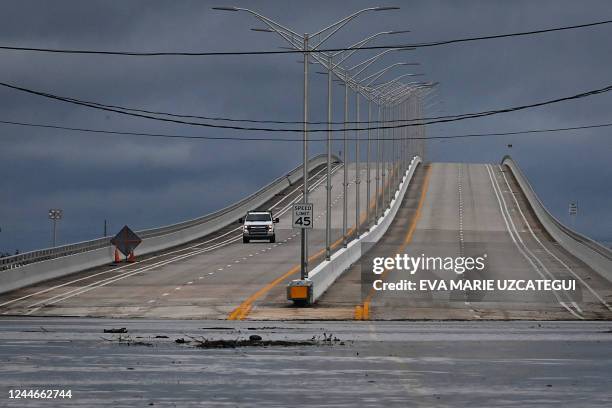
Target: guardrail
[(35, 266), (596, 256), (326, 273)]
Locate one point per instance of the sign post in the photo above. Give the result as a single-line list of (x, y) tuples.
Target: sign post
[(303, 220)]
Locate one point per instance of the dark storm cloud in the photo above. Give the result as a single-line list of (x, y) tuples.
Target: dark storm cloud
[(147, 182)]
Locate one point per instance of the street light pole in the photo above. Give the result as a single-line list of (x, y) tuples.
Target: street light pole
[(345, 150), (329, 147), (392, 174), (55, 214), (390, 159), (357, 170), (368, 159), (382, 159), (378, 159), (304, 233)]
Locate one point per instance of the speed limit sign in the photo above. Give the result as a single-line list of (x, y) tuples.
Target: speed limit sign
[(302, 215)]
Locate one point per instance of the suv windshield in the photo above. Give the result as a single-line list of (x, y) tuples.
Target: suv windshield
[(259, 217)]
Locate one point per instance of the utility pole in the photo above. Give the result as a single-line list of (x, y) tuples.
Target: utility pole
[(304, 231), (357, 170), (368, 160), (345, 183), (378, 159), (329, 147)]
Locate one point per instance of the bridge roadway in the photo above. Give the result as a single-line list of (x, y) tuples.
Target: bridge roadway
[(208, 278), (472, 210), (449, 210)]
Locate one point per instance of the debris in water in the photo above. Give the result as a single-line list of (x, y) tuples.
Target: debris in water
[(205, 343), (121, 330)]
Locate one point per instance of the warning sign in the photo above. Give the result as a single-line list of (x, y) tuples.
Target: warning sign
[(126, 240)]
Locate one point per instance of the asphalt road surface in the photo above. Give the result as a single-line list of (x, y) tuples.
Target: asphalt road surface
[(454, 210), (371, 364), (209, 278), (450, 210)]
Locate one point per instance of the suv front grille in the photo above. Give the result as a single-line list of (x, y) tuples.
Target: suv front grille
[(258, 229)]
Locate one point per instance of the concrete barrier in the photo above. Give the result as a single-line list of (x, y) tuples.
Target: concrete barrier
[(596, 256), (33, 267), (326, 273)]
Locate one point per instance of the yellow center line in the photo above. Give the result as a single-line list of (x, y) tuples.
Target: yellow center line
[(243, 310), (362, 312)]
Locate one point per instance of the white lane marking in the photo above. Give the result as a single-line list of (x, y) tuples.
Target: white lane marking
[(190, 283), (200, 277), (152, 301), (106, 281), (227, 242), (165, 294), (220, 269), (551, 253), (114, 269), (577, 307), (544, 268), (508, 221), (177, 288)]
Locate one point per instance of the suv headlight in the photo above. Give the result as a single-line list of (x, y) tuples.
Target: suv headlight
[(270, 228), (245, 229)]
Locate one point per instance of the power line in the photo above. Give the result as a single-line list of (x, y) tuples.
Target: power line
[(421, 122), (227, 53), (281, 139)]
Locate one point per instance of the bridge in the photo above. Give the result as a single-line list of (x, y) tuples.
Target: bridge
[(433, 274), (200, 269)]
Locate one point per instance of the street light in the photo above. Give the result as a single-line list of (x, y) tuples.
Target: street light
[(372, 78), (384, 99), (55, 214), (359, 88), (352, 49), (380, 73), (301, 42)]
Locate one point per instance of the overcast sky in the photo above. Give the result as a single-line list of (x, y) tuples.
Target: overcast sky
[(146, 182)]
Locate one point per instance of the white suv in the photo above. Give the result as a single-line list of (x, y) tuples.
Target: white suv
[(258, 225)]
